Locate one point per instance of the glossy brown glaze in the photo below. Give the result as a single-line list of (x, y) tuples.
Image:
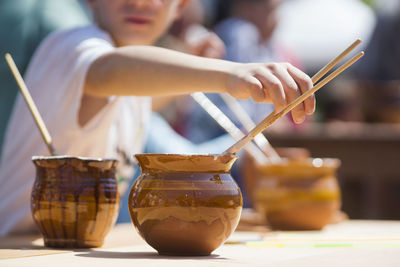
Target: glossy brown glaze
[(74, 200), (250, 174), (298, 194), (185, 205)]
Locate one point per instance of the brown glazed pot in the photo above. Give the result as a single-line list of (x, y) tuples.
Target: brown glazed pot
[(185, 204), (74, 200), (298, 194), (250, 173)]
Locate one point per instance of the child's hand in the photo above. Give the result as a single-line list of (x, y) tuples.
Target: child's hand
[(203, 43), (276, 83), (211, 46)]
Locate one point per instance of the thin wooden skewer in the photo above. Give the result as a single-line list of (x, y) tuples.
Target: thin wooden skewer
[(275, 116), (228, 125), (31, 104), (335, 61), (244, 118)]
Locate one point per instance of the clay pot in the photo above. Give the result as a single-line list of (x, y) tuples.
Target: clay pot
[(185, 204), (300, 194), (250, 173), (74, 200)]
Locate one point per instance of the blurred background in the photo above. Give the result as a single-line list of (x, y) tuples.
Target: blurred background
[(358, 115)]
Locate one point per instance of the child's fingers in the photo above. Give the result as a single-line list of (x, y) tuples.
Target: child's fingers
[(211, 47), (273, 88), (247, 87), (256, 90), (305, 84), (292, 92)]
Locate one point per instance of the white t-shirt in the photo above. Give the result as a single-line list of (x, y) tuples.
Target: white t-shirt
[(55, 78)]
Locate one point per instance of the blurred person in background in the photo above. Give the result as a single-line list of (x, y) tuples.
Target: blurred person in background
[(188, 34), (247, 28), (23, 25), (248, 34)]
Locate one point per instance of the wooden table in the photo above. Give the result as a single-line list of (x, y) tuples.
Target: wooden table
[(350, 243)]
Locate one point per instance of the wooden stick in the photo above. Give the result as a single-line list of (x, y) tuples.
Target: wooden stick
[(275, 116), (244, 118), (31, 104), (335, 61), (228, 125)]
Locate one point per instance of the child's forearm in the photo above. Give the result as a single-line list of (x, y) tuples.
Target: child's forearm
[(153, 71)]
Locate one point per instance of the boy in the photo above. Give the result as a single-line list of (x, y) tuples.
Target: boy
[(77, 76)]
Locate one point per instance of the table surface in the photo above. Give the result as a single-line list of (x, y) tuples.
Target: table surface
[(349, 243)]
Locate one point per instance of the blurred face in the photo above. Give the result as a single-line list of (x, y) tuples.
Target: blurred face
[(135, 22)]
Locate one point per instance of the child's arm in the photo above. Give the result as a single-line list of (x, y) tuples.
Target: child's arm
[(153, 71)]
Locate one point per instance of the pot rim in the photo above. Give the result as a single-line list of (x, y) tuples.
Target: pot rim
[(159, 162), (58, 157), (316, 162), (185, 155)]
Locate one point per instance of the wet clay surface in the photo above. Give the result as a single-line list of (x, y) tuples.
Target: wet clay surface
[(74, 200), (187, 212)]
